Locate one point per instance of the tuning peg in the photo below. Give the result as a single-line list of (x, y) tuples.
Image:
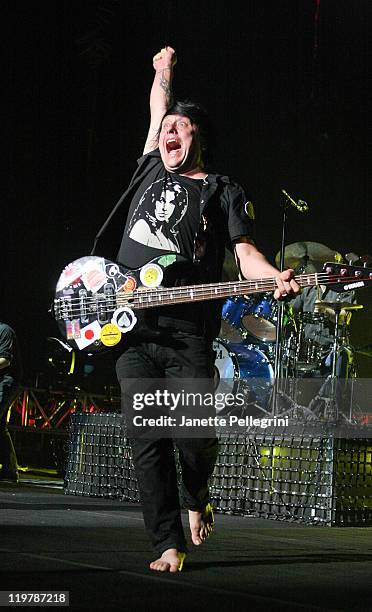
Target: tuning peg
[(351, 258), (366, 260)]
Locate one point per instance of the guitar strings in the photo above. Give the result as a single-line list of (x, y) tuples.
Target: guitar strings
[(152, 297), (228, 289)]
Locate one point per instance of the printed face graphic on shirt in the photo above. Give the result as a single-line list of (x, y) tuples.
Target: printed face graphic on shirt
[(159, 211), (164, 207)]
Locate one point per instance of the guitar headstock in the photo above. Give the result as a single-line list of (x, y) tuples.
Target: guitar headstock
[(343, 277)]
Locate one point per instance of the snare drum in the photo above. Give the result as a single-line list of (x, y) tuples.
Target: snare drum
[(244, 369), (313, 318), (310, 352)]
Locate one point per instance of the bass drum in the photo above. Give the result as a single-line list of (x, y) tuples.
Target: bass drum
[(243, 369)]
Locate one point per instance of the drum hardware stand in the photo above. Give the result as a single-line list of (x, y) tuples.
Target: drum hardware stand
[(329, 398), (300, 412), (337, 348), (340, 343)]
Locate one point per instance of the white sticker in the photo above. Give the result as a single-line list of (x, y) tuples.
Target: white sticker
[(94, 276), (70, 275), (124, 318), (151, 275), (88, 334)]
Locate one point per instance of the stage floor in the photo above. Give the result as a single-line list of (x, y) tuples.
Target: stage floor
[(98, 551)]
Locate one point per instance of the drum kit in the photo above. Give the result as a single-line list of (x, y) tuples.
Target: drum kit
[(246, 345)]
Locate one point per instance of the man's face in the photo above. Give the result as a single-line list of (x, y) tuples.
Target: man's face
[(178, 143)]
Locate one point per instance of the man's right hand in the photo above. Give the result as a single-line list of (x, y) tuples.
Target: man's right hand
[(166, 58)]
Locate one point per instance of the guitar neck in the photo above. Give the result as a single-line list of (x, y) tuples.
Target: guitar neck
[(162, 296)]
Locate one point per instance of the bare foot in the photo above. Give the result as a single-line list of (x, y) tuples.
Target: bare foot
[(170, 561), (201, 524)]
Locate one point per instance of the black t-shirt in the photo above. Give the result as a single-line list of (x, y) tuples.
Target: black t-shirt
[(164, 217), (9, 350), (169, 213)]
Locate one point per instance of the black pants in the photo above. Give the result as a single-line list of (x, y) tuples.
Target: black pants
[(8, 392), (179, 356)]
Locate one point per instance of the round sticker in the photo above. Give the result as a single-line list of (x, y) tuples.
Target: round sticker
[(151, 275), (110, 334), (130, 284), (124, 319)]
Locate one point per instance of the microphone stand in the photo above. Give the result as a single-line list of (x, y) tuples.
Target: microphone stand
[(279, 322), (301, 206)]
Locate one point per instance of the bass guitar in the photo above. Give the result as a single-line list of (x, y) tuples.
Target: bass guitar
[(97, 300)]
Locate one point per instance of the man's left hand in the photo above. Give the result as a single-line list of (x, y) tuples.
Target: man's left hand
[(286, 285)]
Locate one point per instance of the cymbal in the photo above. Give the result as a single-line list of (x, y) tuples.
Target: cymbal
[(337, 306), (229, 332), (308, 255)]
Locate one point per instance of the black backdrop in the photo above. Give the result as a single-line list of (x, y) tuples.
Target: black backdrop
[(285, 84)]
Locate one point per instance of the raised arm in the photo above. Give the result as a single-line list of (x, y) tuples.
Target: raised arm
[(161, 93)]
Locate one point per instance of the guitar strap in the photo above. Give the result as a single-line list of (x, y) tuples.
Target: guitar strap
[(107, 240), (208, 255), (206, 232)]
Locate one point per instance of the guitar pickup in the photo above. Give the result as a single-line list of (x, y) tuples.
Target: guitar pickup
[(102, 313), (106, 304), (83, 306), (110, 297), (109, 293)]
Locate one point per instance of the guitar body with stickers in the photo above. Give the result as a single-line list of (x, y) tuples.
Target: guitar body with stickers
[(98, 302)]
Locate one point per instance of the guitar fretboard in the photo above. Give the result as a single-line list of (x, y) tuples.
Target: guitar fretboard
[(162, 296)]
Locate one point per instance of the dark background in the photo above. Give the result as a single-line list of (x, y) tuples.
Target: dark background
[(285, 84)]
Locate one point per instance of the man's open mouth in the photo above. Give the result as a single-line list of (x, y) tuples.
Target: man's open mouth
[(172, 145)]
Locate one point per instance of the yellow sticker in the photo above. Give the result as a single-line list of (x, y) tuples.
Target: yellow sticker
[(151, 275), (110, 334)]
